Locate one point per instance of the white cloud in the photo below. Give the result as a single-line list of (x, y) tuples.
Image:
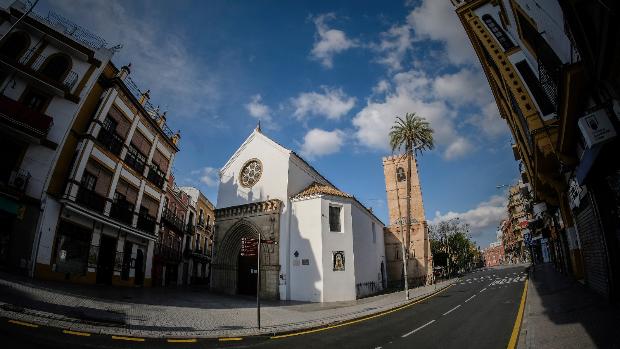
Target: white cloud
[(162, 60), (381, 87), (329, 42), (259, 110), (319, 142), (486, 215), (489, 121), (331, 103), (209, 176), (466, 86), (413, 92), (394, 45), (436, 20)]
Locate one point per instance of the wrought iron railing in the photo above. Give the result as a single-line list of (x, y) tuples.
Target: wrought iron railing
[(19, 115), (146, 222), (153, 111), (156, 176), (122, 211), (76, 32), (110, 140), (190, 229), (135, 160), (173, 220), (90, 199), (167, 252), (36, 62)]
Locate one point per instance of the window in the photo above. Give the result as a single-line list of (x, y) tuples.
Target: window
[(35, 100), (72, 248), (499, 33), (15, 46), (110, 124), (89, 181), (374, 233), (56, 67), (334, 218), (400, 174), (535, 87), (135, 159)]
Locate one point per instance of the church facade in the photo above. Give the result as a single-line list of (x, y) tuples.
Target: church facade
[(318, 243)]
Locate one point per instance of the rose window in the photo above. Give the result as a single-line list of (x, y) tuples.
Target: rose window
[(250, 173)]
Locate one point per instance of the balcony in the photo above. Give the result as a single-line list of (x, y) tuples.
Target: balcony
[(156, 176), (173, 220), (168, 253), (146, 223), (91, 199), (122, 211), (135, 160), (21, 117), (111, 141), (35, 62), (190, 229)]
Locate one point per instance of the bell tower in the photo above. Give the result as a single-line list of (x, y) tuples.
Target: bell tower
[(420, 259)]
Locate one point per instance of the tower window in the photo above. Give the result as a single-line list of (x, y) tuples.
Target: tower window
[(400, 174), (499, 33), (334, 218)]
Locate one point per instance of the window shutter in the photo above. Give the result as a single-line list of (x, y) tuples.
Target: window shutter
[(161, 161), (123, 125), (141, 143)]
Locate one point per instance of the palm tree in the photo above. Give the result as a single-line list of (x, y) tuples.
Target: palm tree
[(415, 135)]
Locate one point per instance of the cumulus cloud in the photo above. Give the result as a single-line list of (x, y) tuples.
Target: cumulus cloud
[(489, 121), (319, 142), (485, 216), (466, 86), (259, 110), (394, 45), (436, 20), (161, 59), (210, 176), (328, 41), (331, 102)]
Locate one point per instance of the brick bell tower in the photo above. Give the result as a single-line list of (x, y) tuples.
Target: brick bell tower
[(420, 258)]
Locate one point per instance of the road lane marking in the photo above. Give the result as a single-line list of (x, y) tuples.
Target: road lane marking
[(76, 333), (229, 339), (482, 290), (130, 339), (451, 310), (468, 299), (22, 323), (362, 319), (517, 327), (188, 340), (417, 329)]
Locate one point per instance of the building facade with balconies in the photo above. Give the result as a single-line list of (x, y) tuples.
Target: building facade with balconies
[(199, 246), (102, 223), (48, 68), (553, 70)]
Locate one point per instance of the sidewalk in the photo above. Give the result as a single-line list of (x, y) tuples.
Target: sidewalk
[(562, 313), (175, 312)]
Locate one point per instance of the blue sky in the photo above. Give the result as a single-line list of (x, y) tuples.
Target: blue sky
[(326, 79)]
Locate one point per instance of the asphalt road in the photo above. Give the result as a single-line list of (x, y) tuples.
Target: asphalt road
[(477, 312)]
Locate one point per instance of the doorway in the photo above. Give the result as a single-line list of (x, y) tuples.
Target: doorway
[(105, 264), (139, 268), (246, 267)]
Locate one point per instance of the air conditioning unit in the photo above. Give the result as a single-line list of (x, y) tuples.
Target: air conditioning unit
[(19, 180)]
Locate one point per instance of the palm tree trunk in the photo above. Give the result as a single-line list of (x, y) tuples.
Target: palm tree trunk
[(408, 235)]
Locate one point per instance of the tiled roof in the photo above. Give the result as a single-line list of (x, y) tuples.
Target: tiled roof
[(320, 189)]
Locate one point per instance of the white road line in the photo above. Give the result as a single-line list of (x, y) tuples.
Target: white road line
[(468, 299), (483, 289), (451, 310), (417, 329)]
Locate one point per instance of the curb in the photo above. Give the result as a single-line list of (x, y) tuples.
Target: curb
[(32, 321)]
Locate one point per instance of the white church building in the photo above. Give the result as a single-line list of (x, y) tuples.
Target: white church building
[(319, 244)]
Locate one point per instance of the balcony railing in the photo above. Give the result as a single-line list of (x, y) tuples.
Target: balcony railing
[(146, 223), (167, 252), (156, 176), (22, 117), (122, 211), (67, 82), (91, 199), (133, 159), (190, 229), (111, 141), (170, 218)]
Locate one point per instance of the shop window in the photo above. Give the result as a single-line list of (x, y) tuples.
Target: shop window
[(334, 218), (72, 248)]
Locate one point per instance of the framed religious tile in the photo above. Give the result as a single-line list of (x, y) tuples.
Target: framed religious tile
[(338, 260)]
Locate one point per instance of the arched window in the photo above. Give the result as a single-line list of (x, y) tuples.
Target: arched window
[(56, 67), (15, 45), (499, 33), (400, 174)]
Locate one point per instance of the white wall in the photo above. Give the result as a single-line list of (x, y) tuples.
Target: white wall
[(306, 282), (338, 285), (369, 252)]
